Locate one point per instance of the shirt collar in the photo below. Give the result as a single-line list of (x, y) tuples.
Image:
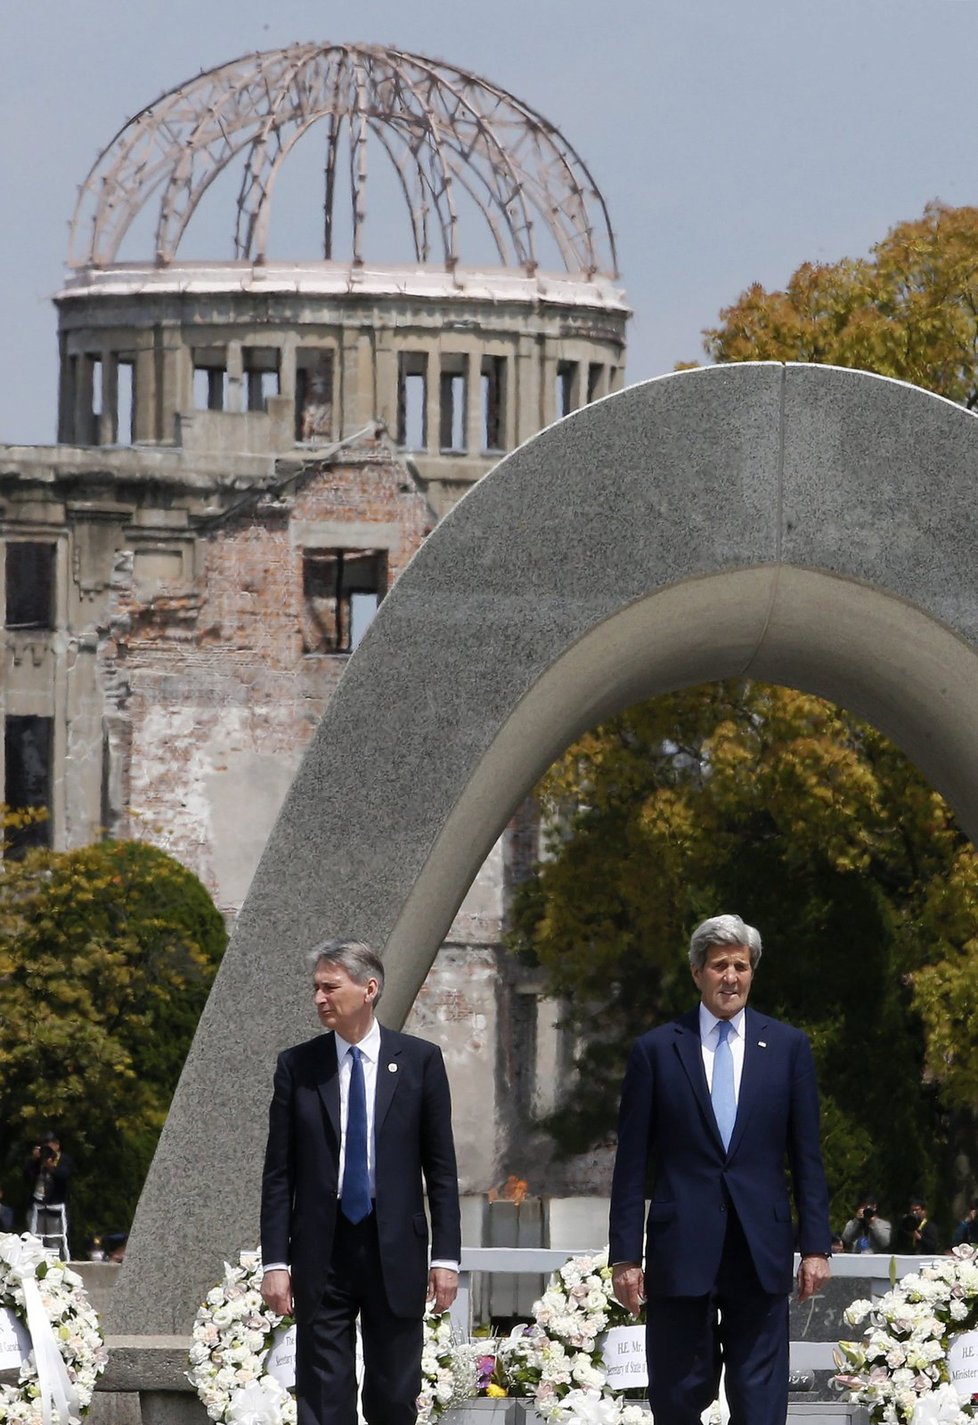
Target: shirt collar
[(369, 1045), (709, 1022)]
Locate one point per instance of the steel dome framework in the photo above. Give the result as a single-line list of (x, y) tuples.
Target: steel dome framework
[(446, 131)]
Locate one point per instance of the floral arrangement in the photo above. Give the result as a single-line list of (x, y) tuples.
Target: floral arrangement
[(67, 1350), (234, 1331), (899, 1369), (558, 1359), (232, 1335), (452, 1371)]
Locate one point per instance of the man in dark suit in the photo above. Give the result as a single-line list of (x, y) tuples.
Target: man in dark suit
[(360, 1124), (716, 1103)]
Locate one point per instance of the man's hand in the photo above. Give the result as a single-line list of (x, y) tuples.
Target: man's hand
[(628, 1284), (813, 1273), (276, 1290), (442, 1288)]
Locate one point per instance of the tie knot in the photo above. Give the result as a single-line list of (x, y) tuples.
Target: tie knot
[(355, 1053), (723, 1029)]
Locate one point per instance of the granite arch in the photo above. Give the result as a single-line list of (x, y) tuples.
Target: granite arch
[(806, 525)]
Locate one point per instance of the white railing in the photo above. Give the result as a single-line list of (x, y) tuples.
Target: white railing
[(876, 1267)]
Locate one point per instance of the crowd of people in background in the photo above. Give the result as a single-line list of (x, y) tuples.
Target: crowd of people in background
[(915, 1233)]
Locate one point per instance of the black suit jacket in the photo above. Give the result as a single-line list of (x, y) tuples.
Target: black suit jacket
[(667, 1123), (414, 1151)]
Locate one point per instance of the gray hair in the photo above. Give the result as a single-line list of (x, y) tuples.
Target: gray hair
[(356, 957), (723, 930)]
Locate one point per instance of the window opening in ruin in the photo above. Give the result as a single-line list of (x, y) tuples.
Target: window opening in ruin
[(566, 381), (27, 743), (125, 405), (594, 373), (341, 589), (97, 404), (313, 395), (261, 371), (412, 400), (30, 587), (493, 402), (451, 410), (210, 381)]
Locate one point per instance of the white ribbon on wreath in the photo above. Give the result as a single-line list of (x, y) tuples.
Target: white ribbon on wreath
[(57, 1392)]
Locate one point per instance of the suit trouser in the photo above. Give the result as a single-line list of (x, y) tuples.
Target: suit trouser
[(738, 1326), (326, 1385)]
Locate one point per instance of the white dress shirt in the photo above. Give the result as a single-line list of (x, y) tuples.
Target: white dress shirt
[(710, 1038)]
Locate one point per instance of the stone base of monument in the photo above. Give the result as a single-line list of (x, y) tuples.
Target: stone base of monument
[(145, 1383)]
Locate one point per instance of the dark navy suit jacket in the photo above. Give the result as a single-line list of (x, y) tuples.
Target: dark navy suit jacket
[(414, 1151), (666, 1122)]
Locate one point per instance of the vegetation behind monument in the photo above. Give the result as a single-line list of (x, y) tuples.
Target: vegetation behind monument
[(815, 828), (107, 954), (777, 805), (909, 310)]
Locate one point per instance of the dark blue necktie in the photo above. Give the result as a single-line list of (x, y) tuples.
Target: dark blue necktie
[(722, 1089), (355, 1202)]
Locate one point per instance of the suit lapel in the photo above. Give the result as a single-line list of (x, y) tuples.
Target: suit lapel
[(690, 1052), (752, 1075), (329, 1082), (388, 1076)]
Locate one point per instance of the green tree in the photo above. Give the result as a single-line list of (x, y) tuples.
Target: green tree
[(909, 310), (107, 954), (773, 803)]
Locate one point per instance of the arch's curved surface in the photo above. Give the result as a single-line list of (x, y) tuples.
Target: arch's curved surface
[(806, 525)]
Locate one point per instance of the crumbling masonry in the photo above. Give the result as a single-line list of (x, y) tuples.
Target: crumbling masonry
[(250, 451)]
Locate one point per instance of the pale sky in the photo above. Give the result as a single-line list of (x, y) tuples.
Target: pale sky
[(732, 141)]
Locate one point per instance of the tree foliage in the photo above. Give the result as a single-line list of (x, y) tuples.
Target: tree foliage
[(107, 954), (909, 310), (810, 824)]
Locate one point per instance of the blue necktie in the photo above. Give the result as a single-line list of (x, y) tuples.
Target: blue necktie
[(722, 1090), (355, 1202)]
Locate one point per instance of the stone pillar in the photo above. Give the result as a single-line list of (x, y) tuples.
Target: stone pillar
[(144, 425), (235, 370), (385, 377), (349, 371), (432, 387), (107, 433)]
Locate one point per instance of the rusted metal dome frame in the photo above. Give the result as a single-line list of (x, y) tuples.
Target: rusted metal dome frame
[(444, 130)]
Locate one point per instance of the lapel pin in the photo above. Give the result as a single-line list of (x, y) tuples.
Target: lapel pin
[(392, 1068), (761, 1044)]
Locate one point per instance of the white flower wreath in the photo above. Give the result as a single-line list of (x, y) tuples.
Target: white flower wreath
[(899, 1370), (559, 1361), (56, 1379), (234, 1331), (232, 1335)]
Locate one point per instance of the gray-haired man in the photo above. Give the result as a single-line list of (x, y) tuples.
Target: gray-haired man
[(718, 1101), (360, 1125)]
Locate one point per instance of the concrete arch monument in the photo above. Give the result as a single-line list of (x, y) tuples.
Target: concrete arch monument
[(805, 525)]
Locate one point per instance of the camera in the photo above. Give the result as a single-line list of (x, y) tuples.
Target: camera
[(868, 1213)]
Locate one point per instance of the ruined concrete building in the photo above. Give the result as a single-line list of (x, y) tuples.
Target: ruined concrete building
[(250, 450)]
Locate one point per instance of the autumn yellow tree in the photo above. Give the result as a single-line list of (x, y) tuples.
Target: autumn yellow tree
[(909, 310), (810, 824)]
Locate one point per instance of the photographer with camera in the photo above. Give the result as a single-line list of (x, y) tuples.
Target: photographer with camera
[(866, 1231), (48, 1170), (917, 1235)]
